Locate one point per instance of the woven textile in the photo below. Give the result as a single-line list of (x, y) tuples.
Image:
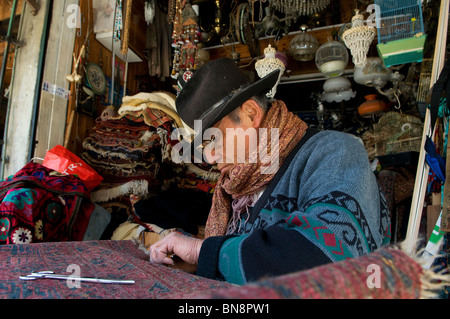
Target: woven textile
[(127, 154), (38, 204), (400, 277), (103, 259), (132, 151)]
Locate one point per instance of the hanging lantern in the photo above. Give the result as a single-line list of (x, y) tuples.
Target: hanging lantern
[(332, 58), (303, 47), (269, 64), (358, 39)]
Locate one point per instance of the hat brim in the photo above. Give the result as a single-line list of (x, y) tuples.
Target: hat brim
[(237, 98)]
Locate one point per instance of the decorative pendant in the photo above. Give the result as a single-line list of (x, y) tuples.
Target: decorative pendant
[(269, 64)]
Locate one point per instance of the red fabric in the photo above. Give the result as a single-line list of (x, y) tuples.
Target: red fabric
[(64, 161), (37, 205)]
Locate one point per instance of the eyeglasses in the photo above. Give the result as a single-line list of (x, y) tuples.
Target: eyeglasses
[(210, 142)]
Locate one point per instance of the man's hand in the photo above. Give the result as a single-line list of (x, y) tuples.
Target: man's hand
[(186, 248)]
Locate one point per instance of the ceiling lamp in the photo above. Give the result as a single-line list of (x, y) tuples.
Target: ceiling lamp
[(303, 47), (358, 39), (337, 89), (332, 58), (297, 8), (269, 64)]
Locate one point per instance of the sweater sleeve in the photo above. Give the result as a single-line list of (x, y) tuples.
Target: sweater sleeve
[(208, 260)]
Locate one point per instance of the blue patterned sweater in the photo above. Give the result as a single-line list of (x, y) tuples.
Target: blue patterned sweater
[(323, 206)]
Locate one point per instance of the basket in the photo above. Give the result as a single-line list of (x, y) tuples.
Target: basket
[(406, 145), (397, 133)]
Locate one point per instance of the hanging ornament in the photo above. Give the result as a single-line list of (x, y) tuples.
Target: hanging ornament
[(332, 58), (118, 21), (269, 64), (295, 8), (75, 77), (150, 11), (303, 47), (185, 39), (358, 39)]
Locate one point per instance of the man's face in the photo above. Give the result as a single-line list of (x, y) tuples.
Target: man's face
[(233, 143)]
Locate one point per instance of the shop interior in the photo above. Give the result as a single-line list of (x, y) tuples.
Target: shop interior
[(339, 73)]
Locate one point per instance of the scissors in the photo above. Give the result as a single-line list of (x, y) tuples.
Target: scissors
[(52, 275)]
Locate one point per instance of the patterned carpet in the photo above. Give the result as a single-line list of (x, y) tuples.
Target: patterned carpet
[(385, 274), (103, 259)]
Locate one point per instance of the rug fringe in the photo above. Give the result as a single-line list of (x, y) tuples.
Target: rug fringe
[(433, 280), (136, 187), (207, 175)]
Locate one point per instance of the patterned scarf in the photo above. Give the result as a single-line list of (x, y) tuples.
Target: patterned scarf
[(246, 178)]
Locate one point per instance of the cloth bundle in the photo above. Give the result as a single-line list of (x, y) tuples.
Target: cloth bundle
[(126, 154), (128, 149), (38, 204), (131, 150)]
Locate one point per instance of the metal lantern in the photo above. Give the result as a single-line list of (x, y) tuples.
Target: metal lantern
[(332, 58), (303, 47)]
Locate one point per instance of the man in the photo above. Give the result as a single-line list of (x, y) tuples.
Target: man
[(322, 204)]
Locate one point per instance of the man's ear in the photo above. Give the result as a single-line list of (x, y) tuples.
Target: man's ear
[(252, 112)]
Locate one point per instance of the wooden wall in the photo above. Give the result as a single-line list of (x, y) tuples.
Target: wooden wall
[(5, 14), (97, 53)]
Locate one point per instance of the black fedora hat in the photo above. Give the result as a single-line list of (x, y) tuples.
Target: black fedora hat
[(216, 89)]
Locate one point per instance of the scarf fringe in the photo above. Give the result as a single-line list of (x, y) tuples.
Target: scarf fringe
[(432, 281), (207, 175), (136, 187)]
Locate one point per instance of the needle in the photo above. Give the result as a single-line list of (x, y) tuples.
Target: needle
[(51, 275)]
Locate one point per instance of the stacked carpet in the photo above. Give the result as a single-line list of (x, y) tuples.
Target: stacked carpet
[(131, 149), (126, 154)]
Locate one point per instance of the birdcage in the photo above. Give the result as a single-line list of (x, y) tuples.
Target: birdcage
[(424, 85), (401, 35), (396, 133)]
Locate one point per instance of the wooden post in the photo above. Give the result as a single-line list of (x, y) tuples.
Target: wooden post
[(51, 125)]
